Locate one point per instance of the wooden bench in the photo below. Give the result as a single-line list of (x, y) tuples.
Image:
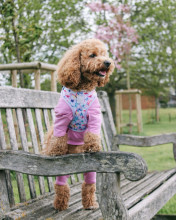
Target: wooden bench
[(124, 191)]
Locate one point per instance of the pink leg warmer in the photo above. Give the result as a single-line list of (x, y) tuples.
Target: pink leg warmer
[(90, 177), (62, 180)]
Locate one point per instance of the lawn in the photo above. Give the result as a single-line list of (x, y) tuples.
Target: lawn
[(159, 157)]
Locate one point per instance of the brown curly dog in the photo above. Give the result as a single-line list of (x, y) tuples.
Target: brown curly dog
[(78, 116)]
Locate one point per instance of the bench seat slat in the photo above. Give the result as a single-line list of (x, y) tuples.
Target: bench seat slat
[(127, 185), (144, 184), (140, 191), (45, 205), (150, 205)]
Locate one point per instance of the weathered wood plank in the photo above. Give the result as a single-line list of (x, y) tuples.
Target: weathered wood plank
[(40, 127), (25, 148), (22, 130), (30, 65), (53, 115), (27, 98), (150, 205), (132, 165), (2, 136), (141, 141), (103, 95), (41, 136), (35, 146), (146, 189), (42, 207), (105, 134), (11, 129), (14, 146), (10, 188), (6, 190), (4, 200), (32, 131), (47, 125), (103, 139), (127, 185)]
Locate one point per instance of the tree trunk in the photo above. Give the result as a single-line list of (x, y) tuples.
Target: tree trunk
[(17, 48)]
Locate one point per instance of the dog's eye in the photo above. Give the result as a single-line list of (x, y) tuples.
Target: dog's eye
[(92, 55)]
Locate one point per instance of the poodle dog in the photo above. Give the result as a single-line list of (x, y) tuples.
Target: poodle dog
[(78, 116)]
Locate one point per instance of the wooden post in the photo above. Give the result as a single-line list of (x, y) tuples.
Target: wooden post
[(139, 112), (53, 82), (37, 79), (118, 112), (14, 78)]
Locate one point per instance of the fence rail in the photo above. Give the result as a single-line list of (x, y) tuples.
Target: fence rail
[(37, 67)]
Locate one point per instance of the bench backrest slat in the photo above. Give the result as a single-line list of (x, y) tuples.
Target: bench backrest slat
[(2, 136), (25, 147), (14, 146), (35, 114), (32, 131)]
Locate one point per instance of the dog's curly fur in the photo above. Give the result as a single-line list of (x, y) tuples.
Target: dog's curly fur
[(88, 196), (80, 69), (62, 196)]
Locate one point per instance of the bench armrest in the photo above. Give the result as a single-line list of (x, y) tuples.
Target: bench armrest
[(132, 165), (143, 141)]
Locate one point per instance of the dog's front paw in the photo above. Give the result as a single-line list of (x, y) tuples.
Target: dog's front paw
[(92, 142), (56, 146)]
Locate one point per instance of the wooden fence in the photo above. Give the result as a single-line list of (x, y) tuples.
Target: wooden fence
[(35, 67)]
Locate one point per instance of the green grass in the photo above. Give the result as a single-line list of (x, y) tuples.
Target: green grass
[(158, 157)]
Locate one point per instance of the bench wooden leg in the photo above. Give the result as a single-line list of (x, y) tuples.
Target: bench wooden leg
[(109, 197)]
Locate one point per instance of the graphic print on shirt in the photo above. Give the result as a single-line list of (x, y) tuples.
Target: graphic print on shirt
[(79, 103)]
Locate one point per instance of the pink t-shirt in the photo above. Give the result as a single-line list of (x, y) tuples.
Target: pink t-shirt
[(64, 116)]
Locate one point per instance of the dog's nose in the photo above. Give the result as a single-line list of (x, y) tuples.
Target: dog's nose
[(107, 63)]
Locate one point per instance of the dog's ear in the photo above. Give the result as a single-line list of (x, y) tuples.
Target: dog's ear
[(69, 68)]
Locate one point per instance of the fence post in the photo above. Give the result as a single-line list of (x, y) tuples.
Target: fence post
[(118, 110), (53, 82), (14, 78), (37, 79), (139, 112)]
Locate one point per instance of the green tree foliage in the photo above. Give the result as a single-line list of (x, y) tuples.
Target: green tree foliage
[(154, 60), (39, 30), (153, 68)]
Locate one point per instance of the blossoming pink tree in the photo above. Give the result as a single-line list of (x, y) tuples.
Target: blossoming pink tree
[(119, 35), (116, 32)]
